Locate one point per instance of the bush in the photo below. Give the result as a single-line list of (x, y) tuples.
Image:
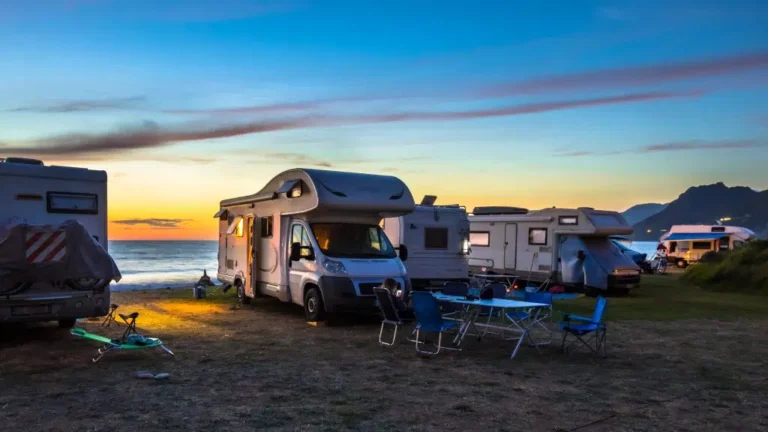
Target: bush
[(744, 269)]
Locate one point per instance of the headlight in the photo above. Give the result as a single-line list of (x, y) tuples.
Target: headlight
[(333, 266)]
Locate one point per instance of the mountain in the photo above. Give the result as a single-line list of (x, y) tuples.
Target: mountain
[(640, 212), (706, 205)]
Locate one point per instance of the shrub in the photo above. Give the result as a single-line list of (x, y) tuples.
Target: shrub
[(744, 269)]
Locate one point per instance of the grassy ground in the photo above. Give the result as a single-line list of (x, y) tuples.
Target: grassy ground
[(262, 367)]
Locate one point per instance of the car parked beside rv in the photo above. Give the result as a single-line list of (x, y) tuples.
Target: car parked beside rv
[(437, 237), (42, 199), (312, 237), (572, 247), (688, 243)]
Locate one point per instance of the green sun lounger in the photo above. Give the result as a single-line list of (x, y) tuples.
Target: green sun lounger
[(129, 340)]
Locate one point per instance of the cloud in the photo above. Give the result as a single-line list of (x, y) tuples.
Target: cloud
[(150, 135), (254, 109), (631, 76), (673, 147), (83, 105), (154, 223), (295, 159)]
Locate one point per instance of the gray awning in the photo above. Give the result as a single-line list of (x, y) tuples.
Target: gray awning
[(221, 213)]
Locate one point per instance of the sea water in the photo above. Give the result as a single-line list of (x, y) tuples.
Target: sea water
[(161, 264)]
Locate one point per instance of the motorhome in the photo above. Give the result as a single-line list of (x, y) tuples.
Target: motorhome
[(437, 237), (39, 195), (687, 243), (572, 247), (312, 237)]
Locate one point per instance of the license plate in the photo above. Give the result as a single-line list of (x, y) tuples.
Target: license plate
[(30, 310)]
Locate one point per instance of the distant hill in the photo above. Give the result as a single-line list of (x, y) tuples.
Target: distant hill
[(641, 212), (706, 205)]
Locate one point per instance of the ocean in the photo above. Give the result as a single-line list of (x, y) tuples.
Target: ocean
[(161, 264)]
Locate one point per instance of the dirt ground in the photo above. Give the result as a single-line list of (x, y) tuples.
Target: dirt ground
[(264, 368)]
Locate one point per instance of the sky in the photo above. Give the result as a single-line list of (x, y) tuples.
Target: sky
[(184, 103)]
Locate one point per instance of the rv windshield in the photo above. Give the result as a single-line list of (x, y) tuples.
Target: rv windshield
[(349, 240)]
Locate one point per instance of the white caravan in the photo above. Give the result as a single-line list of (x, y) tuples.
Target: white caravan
[(437, 238), (312, 237), (35, 194), (567, 246), (687, 243)]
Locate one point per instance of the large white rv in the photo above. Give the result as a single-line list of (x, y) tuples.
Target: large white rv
[(35, 194), (312, 237), (687, 243), (566, 246), (437, 237)]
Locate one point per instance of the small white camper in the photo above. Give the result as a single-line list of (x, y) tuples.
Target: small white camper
[(687, 243), (566, 246), (437, 237), (312, 237), (35, 194)]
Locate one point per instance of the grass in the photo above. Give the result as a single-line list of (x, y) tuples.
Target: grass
[(744, 269), (262, 367)]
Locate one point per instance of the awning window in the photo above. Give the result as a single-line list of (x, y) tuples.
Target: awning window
[(695, 236), (221, 214)]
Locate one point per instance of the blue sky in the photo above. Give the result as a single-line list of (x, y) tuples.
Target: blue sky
[(116, 71)]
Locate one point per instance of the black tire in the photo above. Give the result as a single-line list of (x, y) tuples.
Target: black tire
[(241, 297), (67, 323), (681, 263), (314, 309)]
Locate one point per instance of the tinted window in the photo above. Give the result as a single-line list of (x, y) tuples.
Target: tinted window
[(349, 240), (702, 245), (436, 238), (537, 236), (568, 220), (718, 229), (72, 203), (480, 238), (299, 235)]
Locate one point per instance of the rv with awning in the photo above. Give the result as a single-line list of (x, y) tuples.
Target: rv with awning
[(572, 247), (437, 237), (312, 237), (687, 243)]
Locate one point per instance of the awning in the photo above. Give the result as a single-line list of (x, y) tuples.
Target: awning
[(221, 214), (695, 236)]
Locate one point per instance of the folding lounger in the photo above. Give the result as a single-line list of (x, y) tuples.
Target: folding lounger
[(130, 340)]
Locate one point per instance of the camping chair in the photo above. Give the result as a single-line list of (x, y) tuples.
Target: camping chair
[(429, 319), (459, 289), (130, 340), (111, 316), (581, 327), (389, 311), (499, 292)]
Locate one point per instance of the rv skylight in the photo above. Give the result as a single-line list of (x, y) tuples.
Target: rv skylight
[(568, 220), (291, 189), (236, 227)]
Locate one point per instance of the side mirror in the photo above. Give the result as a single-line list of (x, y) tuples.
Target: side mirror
[(403, 252), (295, 251), (581, 255)]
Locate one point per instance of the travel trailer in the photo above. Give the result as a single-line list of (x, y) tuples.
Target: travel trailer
[(572, 247), (437, 237), (39, 196), (312, 237), (687, 243)]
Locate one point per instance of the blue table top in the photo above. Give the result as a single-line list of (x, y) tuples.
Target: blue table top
[(497, 303)]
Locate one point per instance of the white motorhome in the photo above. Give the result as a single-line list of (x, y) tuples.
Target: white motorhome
[(566, 246), (437, 237), (312, 237), (687, 243), (35, 194)]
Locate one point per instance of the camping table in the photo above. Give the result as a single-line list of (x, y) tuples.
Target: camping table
[(470, 315)]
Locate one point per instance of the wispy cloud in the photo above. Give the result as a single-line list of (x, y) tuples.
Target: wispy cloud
[(150, 135), (673, 147), (298, 159), (83, 105), (152, 222), (632, 76)]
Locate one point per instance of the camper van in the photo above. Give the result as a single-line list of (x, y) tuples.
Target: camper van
[(35, 194), (437, 237), (572, 247), (687, 243), (312, 237)]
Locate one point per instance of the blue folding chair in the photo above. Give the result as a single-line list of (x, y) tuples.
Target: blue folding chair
[(582, 327), (429, 319)]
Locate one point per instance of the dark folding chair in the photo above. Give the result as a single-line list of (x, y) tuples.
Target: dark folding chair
[(391, 315), (111, 316), (130, 320), (593, 328), (459, 289)]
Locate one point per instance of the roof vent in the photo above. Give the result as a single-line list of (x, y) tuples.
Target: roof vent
[(21, 160), (497, 210)]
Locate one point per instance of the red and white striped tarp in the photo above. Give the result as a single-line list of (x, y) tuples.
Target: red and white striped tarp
[(44, 246)]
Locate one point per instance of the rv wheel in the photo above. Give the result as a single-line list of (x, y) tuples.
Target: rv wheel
[(67, 323), (241, 297), (313, 305), (681, 263)]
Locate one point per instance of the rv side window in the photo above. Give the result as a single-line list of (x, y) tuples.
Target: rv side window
[(568, 220), (701, 245), (537, 236), (718, 229), (673, 246), (266, 226), (299, 235), (435, 238), (480, 238), (72, 203), (236, 227)]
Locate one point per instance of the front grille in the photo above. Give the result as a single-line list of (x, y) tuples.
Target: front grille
[(367, 288)]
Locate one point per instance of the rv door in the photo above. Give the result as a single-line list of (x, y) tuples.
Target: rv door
[(250, 251), (510, 246)]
